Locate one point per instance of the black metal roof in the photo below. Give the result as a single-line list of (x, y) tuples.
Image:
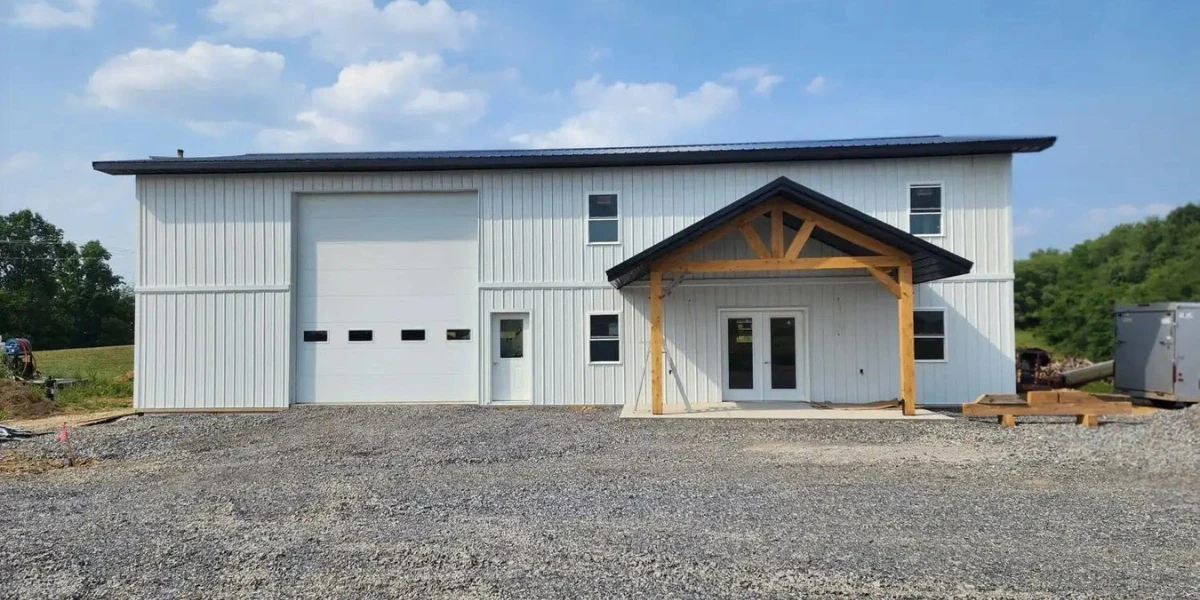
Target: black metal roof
[(930, 262), (895, 147)]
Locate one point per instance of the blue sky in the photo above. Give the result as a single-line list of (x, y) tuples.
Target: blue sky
[(1118, 81)]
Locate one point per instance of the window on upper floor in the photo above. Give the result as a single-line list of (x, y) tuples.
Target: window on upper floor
[(603, 224), (925, 209), (929, 334)]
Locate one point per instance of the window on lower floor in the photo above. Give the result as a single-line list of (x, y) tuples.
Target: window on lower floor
[(604, 338), (929, 334)]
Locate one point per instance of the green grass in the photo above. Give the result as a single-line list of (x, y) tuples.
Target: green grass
[(1029, 339), (102, 371)]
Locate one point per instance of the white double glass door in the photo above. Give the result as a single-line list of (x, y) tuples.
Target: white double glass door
[(764, 355)]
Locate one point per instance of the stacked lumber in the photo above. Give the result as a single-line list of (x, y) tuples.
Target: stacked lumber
[(1085, 407)]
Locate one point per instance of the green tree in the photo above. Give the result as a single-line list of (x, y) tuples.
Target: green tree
[(1068, 298), (56, 294)]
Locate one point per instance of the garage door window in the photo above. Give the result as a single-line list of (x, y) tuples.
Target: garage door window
[(604, 338), (316, 336), (458, 335), (361, 335), (412, 335), (603, 223), (929, 334)]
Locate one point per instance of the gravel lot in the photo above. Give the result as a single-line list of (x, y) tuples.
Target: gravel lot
[(462, 502)]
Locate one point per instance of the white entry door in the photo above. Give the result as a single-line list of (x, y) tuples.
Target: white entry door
[(512, 377), (764, 355)]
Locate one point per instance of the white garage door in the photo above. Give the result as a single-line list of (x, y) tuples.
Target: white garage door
[(386, 296)]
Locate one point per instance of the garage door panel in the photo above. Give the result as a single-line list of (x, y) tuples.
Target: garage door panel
[(335, 389), (400, 311), (412, 361), (385, 263), (382, 255), (384, 283), (437, 229), (327, 207)]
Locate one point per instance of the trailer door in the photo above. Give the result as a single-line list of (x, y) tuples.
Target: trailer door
[(1144, 355)]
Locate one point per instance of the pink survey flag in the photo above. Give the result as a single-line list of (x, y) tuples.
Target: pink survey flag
[(62, 433)]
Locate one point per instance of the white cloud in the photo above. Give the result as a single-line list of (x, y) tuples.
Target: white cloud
[(163, 32), (760, 75), (1038, 212), (87, 205), (1023, 230), (19, 162), (818, 85), (350, 30), (203, 82), (53, 14), (598, 53), (633, 113), (413, 98), (1122, 213)]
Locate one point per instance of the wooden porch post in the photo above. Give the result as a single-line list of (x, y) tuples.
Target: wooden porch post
[(908, 375), (656, 343)]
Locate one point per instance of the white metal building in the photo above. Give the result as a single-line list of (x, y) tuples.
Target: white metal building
[(527, 277)]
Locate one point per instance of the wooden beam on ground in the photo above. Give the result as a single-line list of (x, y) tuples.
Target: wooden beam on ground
[(785, 264), (886, 280), (851, 235), (777, 231), (978, 409), (908, 369), (656, 343), (798, 242), (756, 243)]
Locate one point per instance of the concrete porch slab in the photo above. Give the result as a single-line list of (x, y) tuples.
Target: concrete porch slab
[(779, 410)]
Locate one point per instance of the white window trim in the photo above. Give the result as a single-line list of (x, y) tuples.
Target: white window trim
[(945, 335), (941, 213), (587, 328), (587, 207)]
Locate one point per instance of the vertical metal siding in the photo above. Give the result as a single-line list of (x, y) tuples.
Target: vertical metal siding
[(214, 306), (980, 341)]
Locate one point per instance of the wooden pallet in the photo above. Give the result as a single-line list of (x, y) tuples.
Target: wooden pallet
[(1085, 407)]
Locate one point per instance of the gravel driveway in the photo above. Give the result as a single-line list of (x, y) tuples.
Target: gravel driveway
[(464, 502)]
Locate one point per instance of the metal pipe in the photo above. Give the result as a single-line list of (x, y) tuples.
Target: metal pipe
[(1088, 374)]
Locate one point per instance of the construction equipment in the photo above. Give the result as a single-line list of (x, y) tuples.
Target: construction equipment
[(1157, 352), (18, 358)]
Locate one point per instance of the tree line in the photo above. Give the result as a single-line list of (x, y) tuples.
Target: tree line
[(1067, 297), (57, 294)]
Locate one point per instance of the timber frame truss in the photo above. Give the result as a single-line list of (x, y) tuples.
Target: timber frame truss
[(892, 268)]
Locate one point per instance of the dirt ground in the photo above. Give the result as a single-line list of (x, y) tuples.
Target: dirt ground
[(467, 502)]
